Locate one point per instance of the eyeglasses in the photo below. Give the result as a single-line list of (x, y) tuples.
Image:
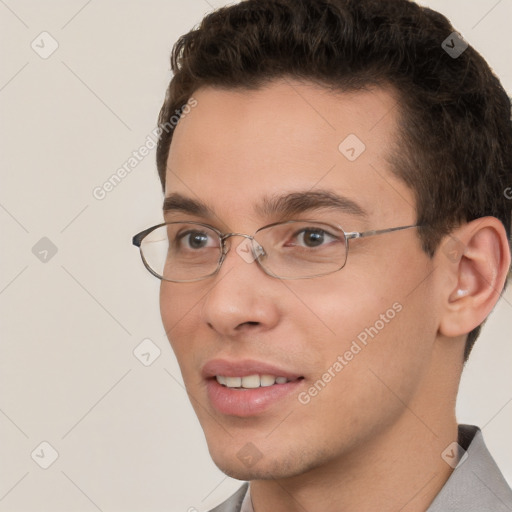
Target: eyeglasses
[(184, 252)]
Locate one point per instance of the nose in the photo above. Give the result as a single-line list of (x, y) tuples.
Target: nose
[(242, 297)]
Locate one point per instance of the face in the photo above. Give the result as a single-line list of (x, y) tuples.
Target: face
[(345, 344)]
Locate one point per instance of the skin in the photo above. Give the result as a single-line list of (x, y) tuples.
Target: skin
[(372, 438)]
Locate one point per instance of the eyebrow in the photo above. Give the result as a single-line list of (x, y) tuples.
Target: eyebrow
[(179, 203), (285, 205), (299, 202)]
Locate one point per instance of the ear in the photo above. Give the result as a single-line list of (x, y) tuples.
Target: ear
[(476, 260)]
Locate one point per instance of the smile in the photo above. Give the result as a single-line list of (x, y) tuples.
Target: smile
[(251, 381), (247, 387)]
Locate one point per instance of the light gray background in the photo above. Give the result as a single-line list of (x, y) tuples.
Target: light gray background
[(125, 434)]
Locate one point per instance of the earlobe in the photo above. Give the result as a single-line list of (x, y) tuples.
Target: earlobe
[(479, 272)]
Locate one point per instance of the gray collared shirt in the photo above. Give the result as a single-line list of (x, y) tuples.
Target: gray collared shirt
[(475, 485)]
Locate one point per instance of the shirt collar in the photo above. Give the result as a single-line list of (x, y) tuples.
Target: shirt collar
[(476, 483)]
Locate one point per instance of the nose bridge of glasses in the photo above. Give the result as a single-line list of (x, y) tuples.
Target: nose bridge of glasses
[(226, 236), (256, 249)]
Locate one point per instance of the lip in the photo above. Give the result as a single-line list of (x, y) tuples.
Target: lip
[(246, 402), (244, 368)]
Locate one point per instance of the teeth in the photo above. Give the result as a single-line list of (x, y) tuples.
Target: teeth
[(267, 380), (233, 382), (250, 381)]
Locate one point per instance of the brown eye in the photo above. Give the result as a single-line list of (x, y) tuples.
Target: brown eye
[(193, 239), (313, 237)]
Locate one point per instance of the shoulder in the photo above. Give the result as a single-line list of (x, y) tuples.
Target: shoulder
[(233, 503), (476, 483)]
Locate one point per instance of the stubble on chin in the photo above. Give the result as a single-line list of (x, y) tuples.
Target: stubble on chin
[(270, 466)]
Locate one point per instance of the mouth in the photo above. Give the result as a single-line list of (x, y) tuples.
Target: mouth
[(252, 381), (248, 388)]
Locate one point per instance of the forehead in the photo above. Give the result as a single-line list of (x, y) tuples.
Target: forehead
[(286, 137)]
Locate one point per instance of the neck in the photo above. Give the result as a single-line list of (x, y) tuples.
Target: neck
[(397, 469)]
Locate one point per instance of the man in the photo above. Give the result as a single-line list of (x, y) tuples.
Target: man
[(336, 229)]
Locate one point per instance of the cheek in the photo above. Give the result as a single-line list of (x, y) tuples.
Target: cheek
[(179, 306), (339, 308), (373, 325), (168, 307), (170, 315), (370, 370)]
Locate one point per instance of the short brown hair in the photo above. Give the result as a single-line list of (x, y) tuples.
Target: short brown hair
[(455, 128)]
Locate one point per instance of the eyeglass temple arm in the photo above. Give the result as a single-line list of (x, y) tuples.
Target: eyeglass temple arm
[(363, 234), (137, 239)]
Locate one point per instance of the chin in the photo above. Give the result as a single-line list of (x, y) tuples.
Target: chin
[(262, 467), (238, 472)]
